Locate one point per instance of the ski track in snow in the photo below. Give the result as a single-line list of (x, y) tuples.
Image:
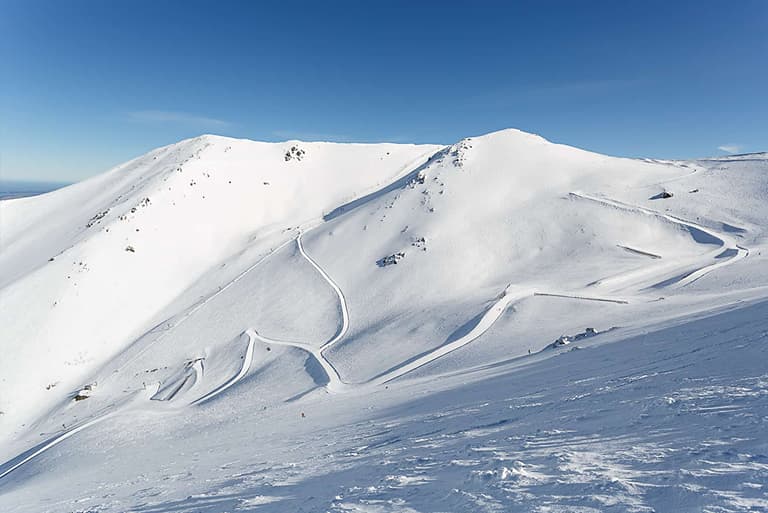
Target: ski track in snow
[(727, 243), (27, 456), (496, 310), (40, 449), (342, 300), (335, 383), (193, 374), (197, 368), (247, 360), (333, 374), (201, 304), (491, 315)]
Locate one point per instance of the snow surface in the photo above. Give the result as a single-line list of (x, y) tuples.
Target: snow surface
[(227, 325)]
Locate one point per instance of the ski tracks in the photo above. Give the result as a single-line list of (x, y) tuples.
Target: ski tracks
[(247, 360), (342, 300), (27, 456), (487, 320), (509, 295), (335, 382), (41, 448), (727, 244)]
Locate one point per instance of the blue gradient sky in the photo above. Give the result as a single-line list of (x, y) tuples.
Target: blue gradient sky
[(86, 85)]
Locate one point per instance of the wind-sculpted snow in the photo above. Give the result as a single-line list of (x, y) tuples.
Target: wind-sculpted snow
[(640, 425), (387, 328)]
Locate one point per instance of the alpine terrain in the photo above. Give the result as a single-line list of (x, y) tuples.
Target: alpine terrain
[(503, 324)]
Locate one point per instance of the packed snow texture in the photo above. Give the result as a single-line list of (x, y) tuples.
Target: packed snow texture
[(503, 324)]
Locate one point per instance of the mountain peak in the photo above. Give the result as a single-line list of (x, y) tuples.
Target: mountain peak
[(511, 133)]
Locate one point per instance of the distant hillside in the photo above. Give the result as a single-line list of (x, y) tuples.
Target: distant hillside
[(20, 189)]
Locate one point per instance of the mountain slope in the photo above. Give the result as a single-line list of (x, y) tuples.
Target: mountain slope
[(92, 265), (345, 281)]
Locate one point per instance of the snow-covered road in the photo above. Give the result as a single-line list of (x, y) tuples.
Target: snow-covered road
[(728, 251)]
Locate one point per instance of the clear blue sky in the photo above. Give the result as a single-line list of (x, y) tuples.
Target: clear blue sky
[(85, 85)]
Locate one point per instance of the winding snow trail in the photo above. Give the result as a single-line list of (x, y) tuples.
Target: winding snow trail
[(342, 300), (30, 454), (38, 450), (192, 375), (728, 251), (487, 320), (335, 383), (247, 360), (200, 305)]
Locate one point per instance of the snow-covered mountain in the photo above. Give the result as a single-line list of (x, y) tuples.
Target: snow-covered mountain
[(225, 325)]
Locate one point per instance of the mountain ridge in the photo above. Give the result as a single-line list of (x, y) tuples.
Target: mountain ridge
[(217, 274)]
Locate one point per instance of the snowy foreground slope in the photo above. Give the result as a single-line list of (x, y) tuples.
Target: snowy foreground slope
[(504, 324)]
